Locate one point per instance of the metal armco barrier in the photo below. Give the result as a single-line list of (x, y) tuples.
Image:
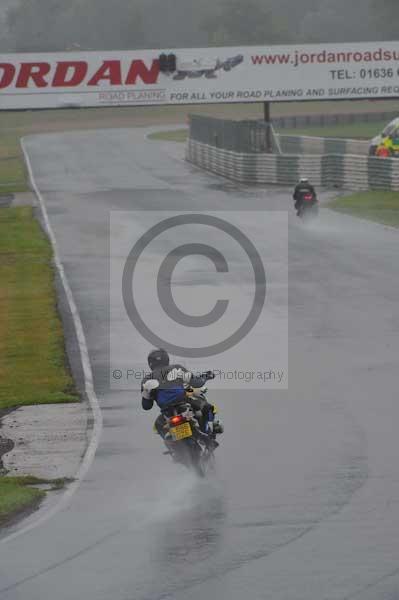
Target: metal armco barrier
[(300, 121), (238, 136), (303, 144), (327, 162)]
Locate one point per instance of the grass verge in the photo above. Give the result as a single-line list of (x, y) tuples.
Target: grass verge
[(13, 173), (176, 135), (32, 355), (19, 494), (382, 207), (352, 131)]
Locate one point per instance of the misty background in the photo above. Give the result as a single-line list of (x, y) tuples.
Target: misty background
[(49, 25)]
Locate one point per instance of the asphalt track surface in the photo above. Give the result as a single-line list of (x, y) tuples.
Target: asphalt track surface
[(305, 505)]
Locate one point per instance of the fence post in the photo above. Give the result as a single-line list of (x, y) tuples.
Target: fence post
[(267, 112)]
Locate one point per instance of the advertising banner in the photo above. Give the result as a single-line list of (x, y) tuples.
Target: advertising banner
[(202, 75)]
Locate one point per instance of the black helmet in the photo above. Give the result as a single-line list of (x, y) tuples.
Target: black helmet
[(158, 358)]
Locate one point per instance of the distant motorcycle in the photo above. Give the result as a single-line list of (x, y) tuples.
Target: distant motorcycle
[(185, 441), (308, 207)]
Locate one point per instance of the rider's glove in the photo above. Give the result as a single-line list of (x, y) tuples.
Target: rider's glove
[(149, 386), (146, 394)]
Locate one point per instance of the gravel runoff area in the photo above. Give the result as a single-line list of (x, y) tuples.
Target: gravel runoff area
[(48, 440)]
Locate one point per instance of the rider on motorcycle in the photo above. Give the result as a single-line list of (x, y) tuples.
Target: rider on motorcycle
[(302, 188), (174, 381)]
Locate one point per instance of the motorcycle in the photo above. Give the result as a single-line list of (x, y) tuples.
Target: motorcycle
[(309, 207), (185, 441)]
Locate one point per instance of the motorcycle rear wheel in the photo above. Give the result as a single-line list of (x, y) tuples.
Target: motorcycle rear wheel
[(198, 460)]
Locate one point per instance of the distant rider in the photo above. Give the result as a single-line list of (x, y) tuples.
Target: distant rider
[(302, 188), (174, 380)]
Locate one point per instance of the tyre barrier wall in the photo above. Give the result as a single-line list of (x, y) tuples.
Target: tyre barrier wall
[(346, 171), (237, 149)]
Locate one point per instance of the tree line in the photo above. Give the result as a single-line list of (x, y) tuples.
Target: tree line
[(56, 25)]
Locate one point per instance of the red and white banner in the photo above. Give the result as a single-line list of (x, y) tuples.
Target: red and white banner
[(203, 75)]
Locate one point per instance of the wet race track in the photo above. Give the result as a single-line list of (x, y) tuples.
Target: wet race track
[(305, 504)]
